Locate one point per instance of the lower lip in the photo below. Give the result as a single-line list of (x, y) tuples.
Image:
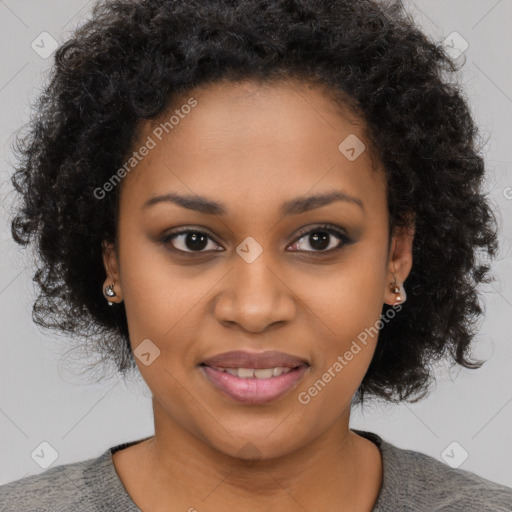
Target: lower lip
[(253, 390)]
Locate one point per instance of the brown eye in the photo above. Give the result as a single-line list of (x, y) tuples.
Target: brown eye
[(321, 239), (188, 240)]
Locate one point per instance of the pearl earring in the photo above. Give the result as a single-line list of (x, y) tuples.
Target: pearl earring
[(109, 292), (401, 295)]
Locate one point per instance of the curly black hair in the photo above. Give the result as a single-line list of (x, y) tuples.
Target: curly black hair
[(127, 63)]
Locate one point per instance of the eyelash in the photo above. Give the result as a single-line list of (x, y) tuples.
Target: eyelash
[(344, 240)]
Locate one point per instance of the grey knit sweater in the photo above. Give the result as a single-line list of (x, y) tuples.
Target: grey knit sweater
[(412, 481)]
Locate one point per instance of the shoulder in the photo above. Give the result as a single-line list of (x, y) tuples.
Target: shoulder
[(416, 481), (450, 489), (59, 489)]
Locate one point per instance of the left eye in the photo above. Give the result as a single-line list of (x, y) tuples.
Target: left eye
[(319, 238)]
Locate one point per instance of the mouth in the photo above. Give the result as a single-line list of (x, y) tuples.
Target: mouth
[(253, 378), (254, 386)]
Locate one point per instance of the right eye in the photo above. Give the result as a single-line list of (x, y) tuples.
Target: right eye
[(188, 241)]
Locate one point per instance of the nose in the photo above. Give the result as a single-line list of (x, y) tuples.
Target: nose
[(255, 296)]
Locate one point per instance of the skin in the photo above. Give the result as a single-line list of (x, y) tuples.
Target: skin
[(252, 147)]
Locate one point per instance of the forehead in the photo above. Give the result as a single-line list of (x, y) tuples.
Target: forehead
[(252, 140)]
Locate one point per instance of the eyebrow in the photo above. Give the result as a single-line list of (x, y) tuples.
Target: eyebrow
[(293, 207)]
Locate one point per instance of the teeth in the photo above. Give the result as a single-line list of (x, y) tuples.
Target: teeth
[(245, 373), (258, 373), (264, 373)]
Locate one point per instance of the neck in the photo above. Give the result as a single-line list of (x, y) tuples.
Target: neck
[(337, 469)]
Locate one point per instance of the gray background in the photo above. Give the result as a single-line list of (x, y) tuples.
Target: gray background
[(41, 401)]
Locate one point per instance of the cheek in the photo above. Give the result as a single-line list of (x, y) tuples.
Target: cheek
[(347, 313), (154, 292), (346, 304), (348, 297)]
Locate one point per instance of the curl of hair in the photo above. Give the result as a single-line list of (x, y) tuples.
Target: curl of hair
[(128, 62)]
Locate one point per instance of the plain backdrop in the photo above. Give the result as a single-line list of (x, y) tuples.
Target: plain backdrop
[(40, 401)]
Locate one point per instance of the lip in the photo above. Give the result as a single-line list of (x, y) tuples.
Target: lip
[(254, 390), (257, 360)]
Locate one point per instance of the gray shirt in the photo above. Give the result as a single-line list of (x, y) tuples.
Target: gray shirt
[(412, 481)]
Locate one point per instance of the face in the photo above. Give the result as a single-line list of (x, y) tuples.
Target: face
[(262, 270)]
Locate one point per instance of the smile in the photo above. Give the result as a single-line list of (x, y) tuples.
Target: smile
[(254, 385)]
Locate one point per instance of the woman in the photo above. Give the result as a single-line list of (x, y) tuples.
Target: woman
[(272, 211)]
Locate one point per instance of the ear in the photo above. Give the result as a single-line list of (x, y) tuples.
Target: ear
[(111, 263), (399, 261)]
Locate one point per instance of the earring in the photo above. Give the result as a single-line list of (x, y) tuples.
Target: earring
[(401, 296), (109, 292)]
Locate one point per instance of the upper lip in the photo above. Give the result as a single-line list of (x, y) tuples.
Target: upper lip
[(243, 359)]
